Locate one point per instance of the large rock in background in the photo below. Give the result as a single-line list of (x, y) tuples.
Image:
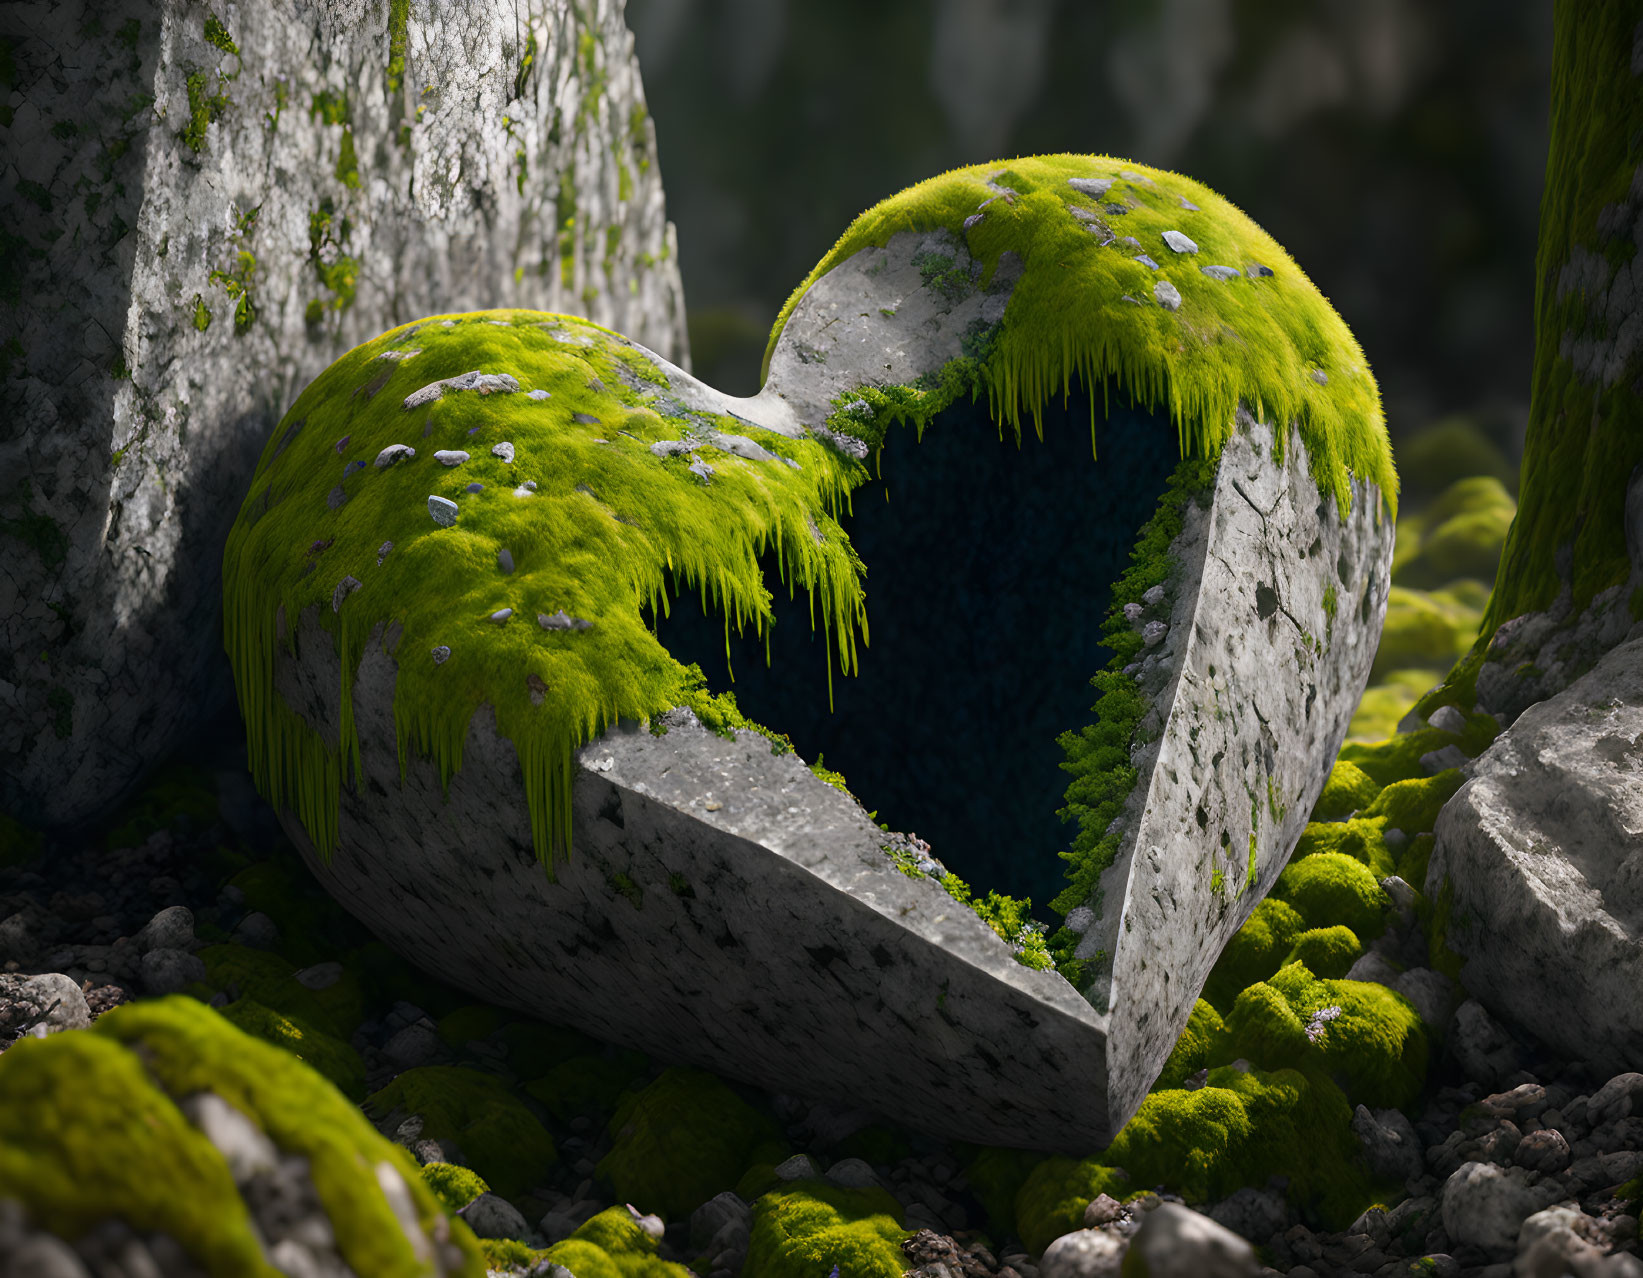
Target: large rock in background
[(203, 208)]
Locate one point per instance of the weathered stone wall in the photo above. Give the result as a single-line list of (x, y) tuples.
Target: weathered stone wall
[(202, 207)]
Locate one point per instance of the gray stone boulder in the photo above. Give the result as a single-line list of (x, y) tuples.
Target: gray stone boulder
[(722, 904), (39, 1005), (1176, 1242), (199, 218), (1539, 864)]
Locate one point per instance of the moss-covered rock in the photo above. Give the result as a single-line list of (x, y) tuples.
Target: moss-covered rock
[(1459, 535), (804, 1229), (609, 1245), (1385, 702), (92, 1129), (1348, 789), (590, 1084), (1361, 838), (1255, 951), (682, 1139), (1052, 1199), (1331, 887), (1413, 805), (270, 980), (500, 1138), (1200, 1045), (1326, 951), (326, 1053), (454, 1186)]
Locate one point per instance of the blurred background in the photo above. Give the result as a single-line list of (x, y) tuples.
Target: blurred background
[(1396, 148)]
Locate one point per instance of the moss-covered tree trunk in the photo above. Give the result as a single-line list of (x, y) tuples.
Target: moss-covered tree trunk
[(1586, 407), (1561, 592)]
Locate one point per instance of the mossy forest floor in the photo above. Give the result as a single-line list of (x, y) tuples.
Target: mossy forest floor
[(1259, 1093)]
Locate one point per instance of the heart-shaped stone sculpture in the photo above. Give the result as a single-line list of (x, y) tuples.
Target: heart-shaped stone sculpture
[(450, 607)]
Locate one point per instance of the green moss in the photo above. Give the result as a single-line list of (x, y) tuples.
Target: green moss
[(1052, 1199), (1326, 951), (1459, 535), (1361, 839), (1413, 805), (805, 1229), (585, 1084), (202, 314), (1434, 627), (1201, 1042), (1377, 1048), (1439, 956), (1399, 758), (1348, 789), (1008, 916), (705, 537), (348, 161), (217, 34), (1585, 431), (499, 1136), (270, 980), (455, 1187), (204, 106), (123, 1149), (684, 1138), (995, 1176), (1412, 864), (328, 1055), (1255, 339), (1242, 1128), (1332, 887), (1255, 951), (237, 283), (527, 63), (1098, 754), (398, 22)]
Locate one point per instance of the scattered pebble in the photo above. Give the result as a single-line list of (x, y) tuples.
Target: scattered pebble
[(584, 419), (1134, 300), (336, 498), (1147, 261), (314, 548), (450, 457), (561, 620), (1180, 243), (394, 453), (345, 587), (501, 615), (1130, 175), (540, 394), (382, 552), (443, 509), (440, 654), (1257, 270), (504, 560), (352, 466), (1321, 377), (1091, 186), (1187, 204), (1169, 297), (1220, 272), (475, 487), (973, 220), (343, 443), (504, 450)]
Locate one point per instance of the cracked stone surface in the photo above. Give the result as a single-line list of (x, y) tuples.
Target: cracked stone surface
[(159, 329)]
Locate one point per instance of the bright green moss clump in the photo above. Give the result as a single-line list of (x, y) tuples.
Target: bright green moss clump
[(683, 1139), (1331, 887), (802, 1231), (1255, 951), (609, 529), (1326, 951), (330, 1056), (1266, 337), (92, 1129), (1348, 789), (455, 1187)]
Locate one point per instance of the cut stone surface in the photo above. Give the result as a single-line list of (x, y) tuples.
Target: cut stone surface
[(192, 243), (1541, 857)]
